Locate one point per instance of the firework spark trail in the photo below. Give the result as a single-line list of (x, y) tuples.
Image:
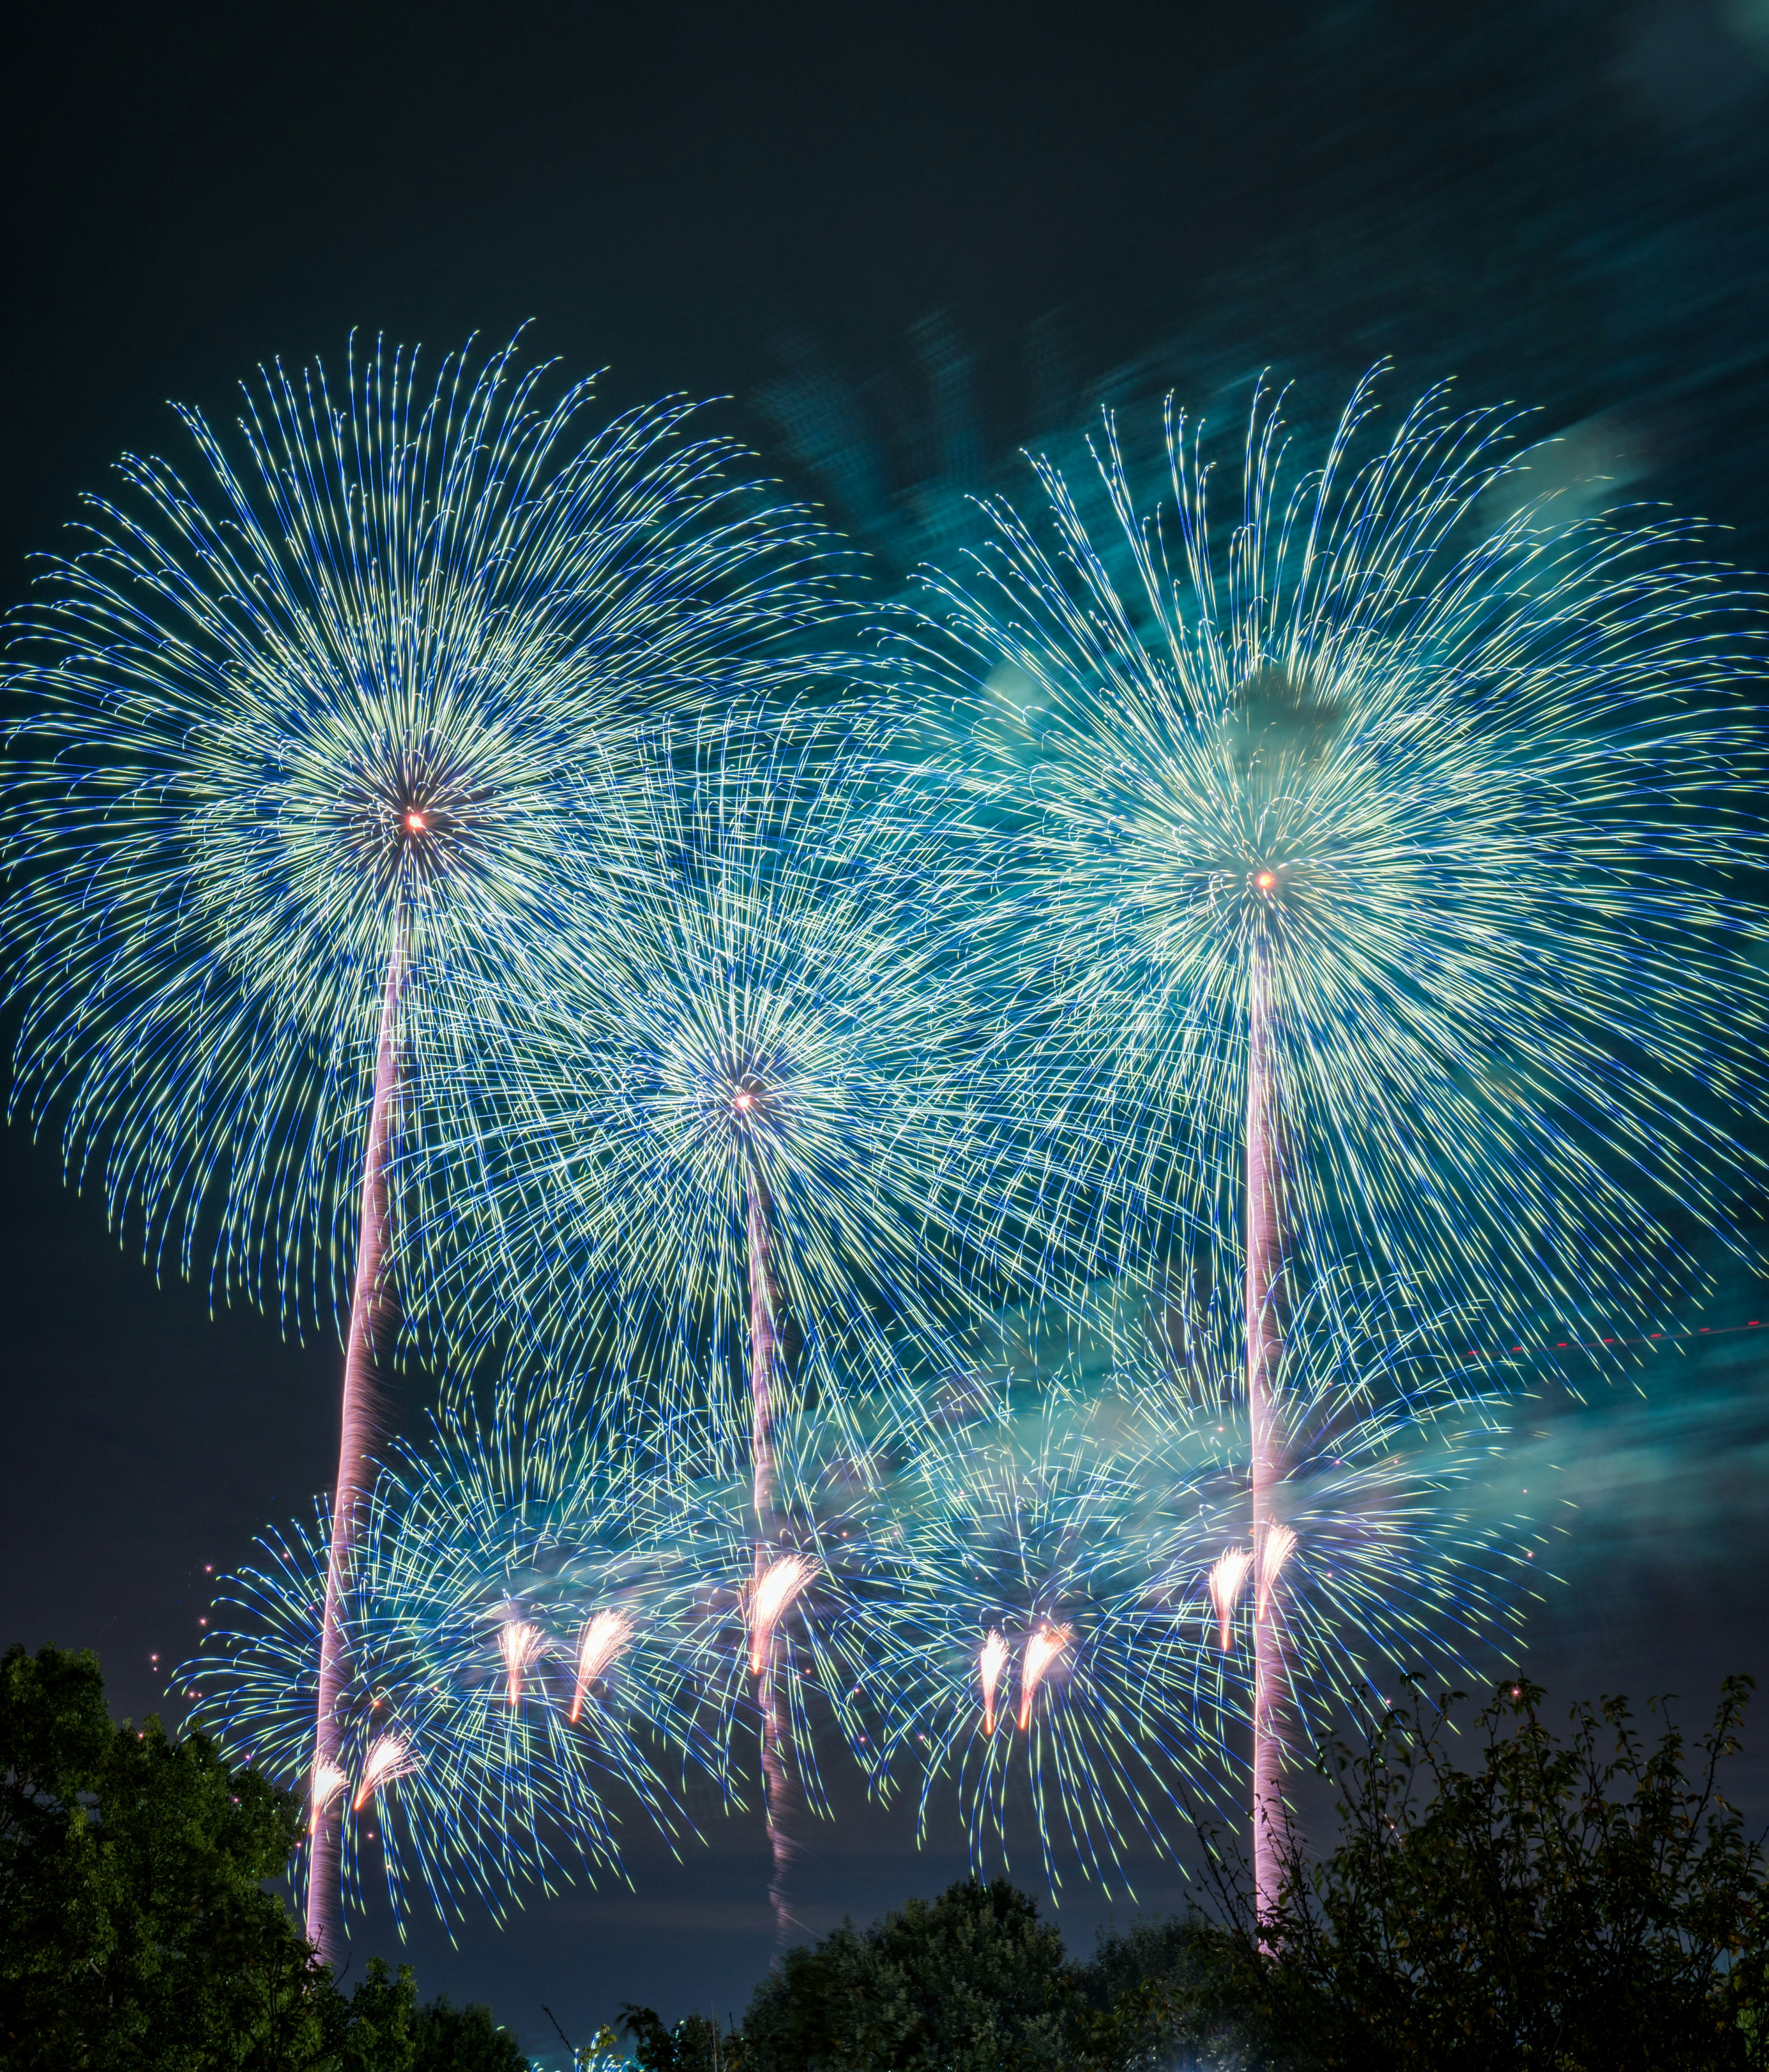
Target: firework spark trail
[(762, 1346), (356, 1436), (773, 1587), (520, 1642), (328, 1782), (1409, 847), (776, 1589)]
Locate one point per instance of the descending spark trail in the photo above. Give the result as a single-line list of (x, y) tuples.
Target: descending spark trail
[(520, 1641), (389, 1757)]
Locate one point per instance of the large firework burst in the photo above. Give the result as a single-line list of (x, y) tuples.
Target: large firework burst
[(292, 731), (758, 1093), (1389, 884), (1471, 796)]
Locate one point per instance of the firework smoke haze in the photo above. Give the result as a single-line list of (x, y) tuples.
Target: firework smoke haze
[(292, 727)]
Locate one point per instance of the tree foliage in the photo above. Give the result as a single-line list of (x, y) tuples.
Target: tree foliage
[(135, 1933), (1584, 1903)]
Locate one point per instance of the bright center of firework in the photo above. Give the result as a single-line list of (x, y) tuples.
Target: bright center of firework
[(415, 822), (743, 1103), (1266, 880)]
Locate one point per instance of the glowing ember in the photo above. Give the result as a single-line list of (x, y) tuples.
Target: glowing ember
[(604, 1638), (989, 1665), (1228, 1580), (389, 1757), (774, 1591), (1275, 1549), (328, 1781), (519, 1642), (1042, 1650)]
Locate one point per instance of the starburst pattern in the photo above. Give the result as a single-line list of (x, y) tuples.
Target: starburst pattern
[(1475, 793), (302, 711)]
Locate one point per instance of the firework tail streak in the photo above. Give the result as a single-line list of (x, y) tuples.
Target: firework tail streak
[(355, 1432), (1266, 1467)]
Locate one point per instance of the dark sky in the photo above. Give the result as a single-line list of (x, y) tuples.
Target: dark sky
[(945, 228)]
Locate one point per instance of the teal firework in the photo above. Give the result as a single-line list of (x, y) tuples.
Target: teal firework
[(292, 720), (512, 1620), (550, 1638), (748, 1126), (1060, 1585), (291, 739), (1452, 799)]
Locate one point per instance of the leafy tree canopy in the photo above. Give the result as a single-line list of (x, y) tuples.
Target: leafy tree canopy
[(1580, 1903), (135, 1933)]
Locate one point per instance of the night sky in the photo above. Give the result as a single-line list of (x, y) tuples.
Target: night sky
[(902, 240)]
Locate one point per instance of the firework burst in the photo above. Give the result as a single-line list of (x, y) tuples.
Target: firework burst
[(751, 1161), (292, 730), (1467, 798), (548, 1629), (1055, 1600), (1390, 887), (514, 1620)]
